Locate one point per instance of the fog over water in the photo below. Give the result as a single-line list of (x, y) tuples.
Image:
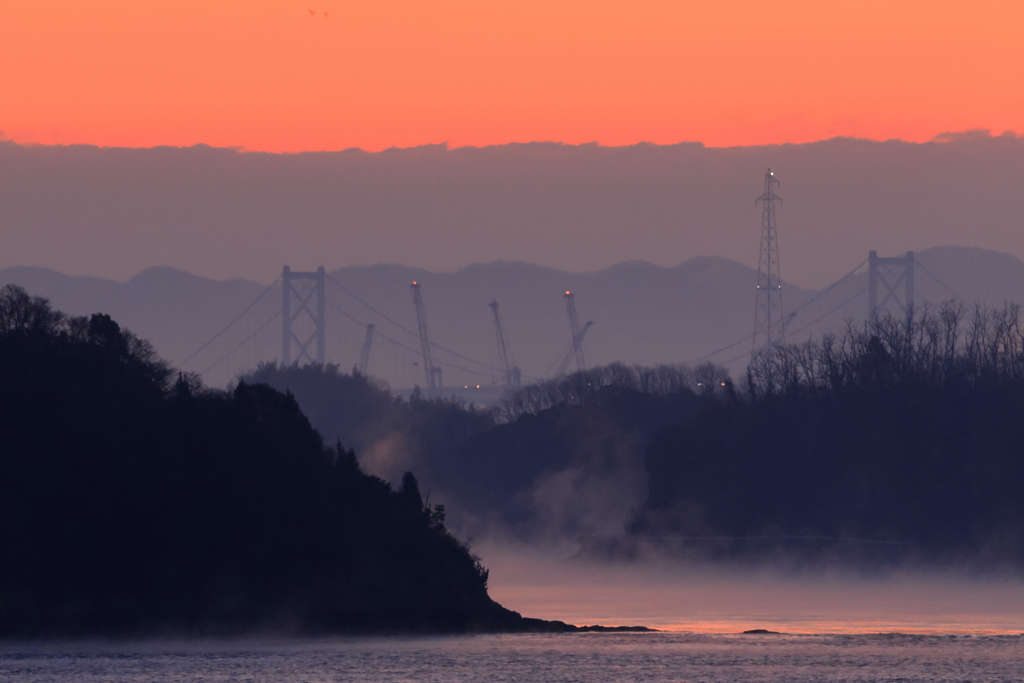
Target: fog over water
[(721, 599)]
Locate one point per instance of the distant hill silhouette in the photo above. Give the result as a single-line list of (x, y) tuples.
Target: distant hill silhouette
[(643, 313), (228, 213)]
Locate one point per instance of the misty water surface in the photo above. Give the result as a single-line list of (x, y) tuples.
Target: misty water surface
[(528, 658), (724, 599)]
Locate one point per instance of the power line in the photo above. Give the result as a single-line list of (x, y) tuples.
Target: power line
[(733, 360), (809, 325), (718, 351), (825, 315), (829, 288), (797, 310)]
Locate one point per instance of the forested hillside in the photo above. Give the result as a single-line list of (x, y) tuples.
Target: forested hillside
[(558, 459), (134, 501), (897, 441)]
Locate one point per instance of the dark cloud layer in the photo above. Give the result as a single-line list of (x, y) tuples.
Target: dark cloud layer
[(224, 213)]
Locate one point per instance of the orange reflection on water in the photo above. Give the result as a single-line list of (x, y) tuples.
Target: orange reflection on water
[(711, 600)]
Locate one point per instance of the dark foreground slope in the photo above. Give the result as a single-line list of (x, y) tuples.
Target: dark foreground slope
[(130, 503)]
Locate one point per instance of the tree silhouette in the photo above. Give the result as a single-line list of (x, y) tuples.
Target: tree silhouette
[(133, 500), (898, 441)]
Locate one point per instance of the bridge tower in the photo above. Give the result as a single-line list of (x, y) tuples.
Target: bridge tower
[(769, 324), (303, 297), (890, 272)]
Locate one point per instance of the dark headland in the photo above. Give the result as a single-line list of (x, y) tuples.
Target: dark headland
[(134, 501)]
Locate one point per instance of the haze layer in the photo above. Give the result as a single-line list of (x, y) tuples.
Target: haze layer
[(221, 213)]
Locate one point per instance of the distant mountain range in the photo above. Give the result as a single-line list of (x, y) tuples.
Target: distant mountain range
[(224, 213), (642, 313)]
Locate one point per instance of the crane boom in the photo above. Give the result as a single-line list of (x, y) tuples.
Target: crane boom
[(511, 371), (574, 327), (421, 320), (574, 350), (364, 357)]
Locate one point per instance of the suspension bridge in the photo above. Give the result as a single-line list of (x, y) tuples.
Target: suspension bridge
[(314, 317), (335, 323)]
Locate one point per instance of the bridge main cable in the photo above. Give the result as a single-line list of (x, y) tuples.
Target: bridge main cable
[(927, 272), (243, 342), (794, 312), (415, 334), (810, 324), (229, 325), (401, 345)]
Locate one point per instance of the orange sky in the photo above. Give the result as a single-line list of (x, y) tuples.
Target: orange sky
[(271, 75)]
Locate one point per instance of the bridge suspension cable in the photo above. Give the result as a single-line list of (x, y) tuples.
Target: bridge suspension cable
[(230, 324), (243, 342), (825, 315), (792, 313), (813, 322), (376, 333), (829, 288), (415, 334), (937, 280), (383, 315), (404, 346)]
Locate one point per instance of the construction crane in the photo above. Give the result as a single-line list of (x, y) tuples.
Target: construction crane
[(512, 376), (574, 351), (364, 357), (432, 373), (576, 347)]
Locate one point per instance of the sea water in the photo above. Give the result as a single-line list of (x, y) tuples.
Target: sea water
[(899, 627), (526, 658)]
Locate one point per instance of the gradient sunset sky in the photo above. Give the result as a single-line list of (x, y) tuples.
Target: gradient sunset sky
[(281, 75)]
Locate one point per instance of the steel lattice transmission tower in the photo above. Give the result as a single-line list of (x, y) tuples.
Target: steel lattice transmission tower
[(769, 324)]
